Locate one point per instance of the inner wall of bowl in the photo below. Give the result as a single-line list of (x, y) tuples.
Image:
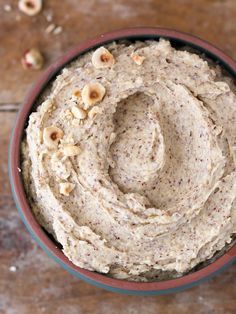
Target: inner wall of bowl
[(176, 43)]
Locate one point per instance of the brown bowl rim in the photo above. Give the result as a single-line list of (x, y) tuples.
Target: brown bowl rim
[(17, 184)]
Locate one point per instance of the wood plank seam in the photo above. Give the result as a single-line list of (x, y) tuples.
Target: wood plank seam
[(9, 107)]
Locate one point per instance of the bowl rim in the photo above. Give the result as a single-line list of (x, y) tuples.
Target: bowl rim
[(117, 285)]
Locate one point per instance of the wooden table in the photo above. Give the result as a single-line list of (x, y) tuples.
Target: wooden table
[(29, 281)]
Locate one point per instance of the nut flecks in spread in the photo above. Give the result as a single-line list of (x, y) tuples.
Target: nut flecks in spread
[(153, 163)]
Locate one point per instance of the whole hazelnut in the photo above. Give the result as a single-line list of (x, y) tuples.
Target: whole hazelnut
[(32, 59)]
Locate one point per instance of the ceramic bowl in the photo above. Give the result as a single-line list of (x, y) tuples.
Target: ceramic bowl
[(47, 244)]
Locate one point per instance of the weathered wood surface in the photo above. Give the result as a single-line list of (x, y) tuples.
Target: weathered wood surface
[(39, 285)]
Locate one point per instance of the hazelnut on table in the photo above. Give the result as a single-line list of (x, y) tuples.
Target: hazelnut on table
[(32, 59), (30, 7)]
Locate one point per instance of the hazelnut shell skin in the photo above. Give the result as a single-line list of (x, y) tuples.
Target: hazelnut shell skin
[(32, 59)]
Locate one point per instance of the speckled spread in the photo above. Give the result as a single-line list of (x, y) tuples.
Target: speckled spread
[(153, 184)]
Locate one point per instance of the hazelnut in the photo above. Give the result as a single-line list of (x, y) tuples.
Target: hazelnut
[(66, 188), (30, 7), (71, 150), (102, 58), (52, 136), (32, 59), (94, 111), (92, 93), (137, 58), (79, 113)]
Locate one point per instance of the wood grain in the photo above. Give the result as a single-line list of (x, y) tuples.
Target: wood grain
[(39, 285), (213, 20)]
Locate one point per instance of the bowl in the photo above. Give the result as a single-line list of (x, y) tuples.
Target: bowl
[(42, 238)]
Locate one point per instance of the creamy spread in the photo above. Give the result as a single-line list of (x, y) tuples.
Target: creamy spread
[(129, 161)]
